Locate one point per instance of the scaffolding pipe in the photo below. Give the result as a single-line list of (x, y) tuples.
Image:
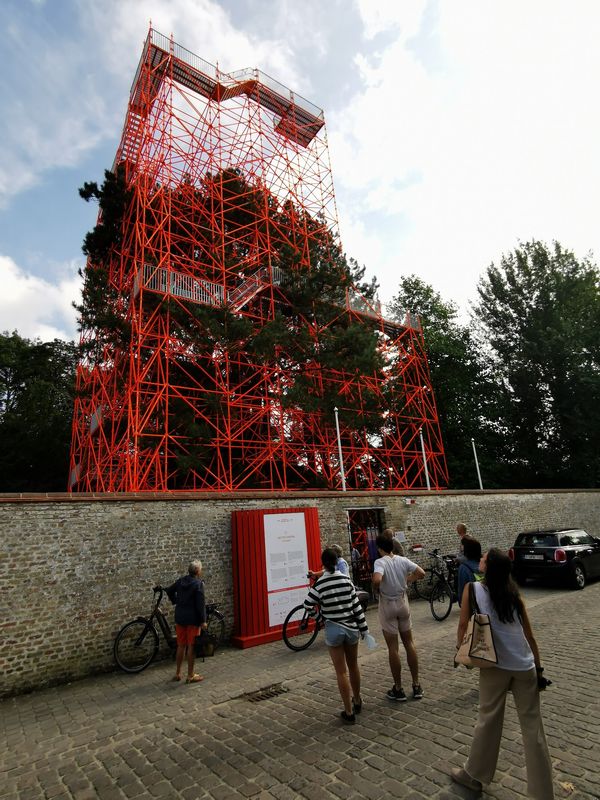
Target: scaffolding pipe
[(424, 458), (339, 444), (477, 463)]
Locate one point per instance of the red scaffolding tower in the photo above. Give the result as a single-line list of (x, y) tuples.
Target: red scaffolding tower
[(199, 384)]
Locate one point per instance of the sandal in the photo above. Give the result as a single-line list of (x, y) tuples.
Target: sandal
[(349, 719), (194, 679), (357, 705), (176, 678)]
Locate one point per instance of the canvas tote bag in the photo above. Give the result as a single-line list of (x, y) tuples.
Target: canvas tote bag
[(477, 648)]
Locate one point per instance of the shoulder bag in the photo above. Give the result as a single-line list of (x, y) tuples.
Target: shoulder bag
[(205, 644), (477, 648)]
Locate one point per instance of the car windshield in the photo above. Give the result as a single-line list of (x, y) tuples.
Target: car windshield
[(537, 540), (575, 537)]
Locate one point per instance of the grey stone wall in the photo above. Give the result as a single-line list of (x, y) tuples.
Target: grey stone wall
[(73, 569)]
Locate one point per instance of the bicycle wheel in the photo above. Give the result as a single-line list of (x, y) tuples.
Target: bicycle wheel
[(424, 587), (135, 646), (216, 626), (441, 600), (299, 629)]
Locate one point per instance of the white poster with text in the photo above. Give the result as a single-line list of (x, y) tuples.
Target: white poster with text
[(287, 563)]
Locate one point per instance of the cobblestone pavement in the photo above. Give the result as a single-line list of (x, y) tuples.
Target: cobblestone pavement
[(120, 736)]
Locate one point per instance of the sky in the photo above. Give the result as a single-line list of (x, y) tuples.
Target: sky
[(456, 128)]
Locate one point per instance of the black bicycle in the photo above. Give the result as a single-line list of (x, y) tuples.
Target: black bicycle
[(444, 590), (301, 626), (136, 644)]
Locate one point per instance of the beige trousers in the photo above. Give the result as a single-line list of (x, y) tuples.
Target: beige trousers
[(494, 685)]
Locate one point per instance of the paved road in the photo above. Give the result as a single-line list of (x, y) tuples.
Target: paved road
[(118, 736)]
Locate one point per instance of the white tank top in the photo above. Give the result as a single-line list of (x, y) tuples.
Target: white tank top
[(512, 647)]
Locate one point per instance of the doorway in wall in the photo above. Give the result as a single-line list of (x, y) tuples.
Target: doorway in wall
[(364, 525)]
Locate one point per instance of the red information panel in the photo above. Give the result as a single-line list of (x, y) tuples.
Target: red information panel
[(272, 550)]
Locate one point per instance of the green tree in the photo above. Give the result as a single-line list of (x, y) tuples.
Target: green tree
[(219, 223), (102, 306), (539, 315), (459, 378), (36, 408)]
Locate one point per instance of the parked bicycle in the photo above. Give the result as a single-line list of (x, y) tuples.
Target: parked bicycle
[(439, 585), (136, 644), (424, 587), (301, 626)]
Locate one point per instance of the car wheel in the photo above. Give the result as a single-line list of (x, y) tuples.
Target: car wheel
[(578, 577)]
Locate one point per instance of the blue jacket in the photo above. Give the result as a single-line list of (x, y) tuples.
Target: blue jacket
[(466, 574), (187, 594)]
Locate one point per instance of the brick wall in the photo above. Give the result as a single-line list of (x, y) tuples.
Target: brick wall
[(73, 569)]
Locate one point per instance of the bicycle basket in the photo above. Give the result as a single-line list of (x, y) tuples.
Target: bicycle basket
[(205, 644)]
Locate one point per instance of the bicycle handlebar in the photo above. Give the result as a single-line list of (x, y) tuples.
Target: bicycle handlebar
[(436, 554), (158, 590)]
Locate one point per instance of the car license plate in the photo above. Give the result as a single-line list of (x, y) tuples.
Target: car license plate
[(533, 557)]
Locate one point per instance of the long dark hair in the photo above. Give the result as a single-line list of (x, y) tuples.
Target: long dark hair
[(329, 559), (503, 591)]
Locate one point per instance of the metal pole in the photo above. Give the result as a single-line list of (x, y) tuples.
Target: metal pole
[(477, 464), (339, 441), (424, 458)]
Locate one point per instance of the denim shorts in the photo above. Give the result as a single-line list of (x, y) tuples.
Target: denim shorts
[(336, 634)]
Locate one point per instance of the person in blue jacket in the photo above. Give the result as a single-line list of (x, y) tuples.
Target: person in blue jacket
[(468, 570), (187, 594)]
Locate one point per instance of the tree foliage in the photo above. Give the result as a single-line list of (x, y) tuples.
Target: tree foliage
[(458, 376), (113, 198), (538, 315), (522, 379), (103, 307), (36, 408), (225, 222)]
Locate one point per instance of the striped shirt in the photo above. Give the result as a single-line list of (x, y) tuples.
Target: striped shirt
[(336, 596)]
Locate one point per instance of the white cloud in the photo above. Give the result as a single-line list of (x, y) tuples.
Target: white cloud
[(71, 87), (35, 307), (56, 107), (475, 124), (202, 26), (405, 16), (499, 145)]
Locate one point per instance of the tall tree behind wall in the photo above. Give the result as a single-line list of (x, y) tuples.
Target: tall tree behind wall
[(311, 337), (539, 313), (460, 382), (36, 407)]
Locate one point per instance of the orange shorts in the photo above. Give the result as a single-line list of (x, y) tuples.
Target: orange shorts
[(186, 634)]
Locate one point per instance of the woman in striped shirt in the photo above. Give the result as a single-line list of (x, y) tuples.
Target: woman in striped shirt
[(345, 623)]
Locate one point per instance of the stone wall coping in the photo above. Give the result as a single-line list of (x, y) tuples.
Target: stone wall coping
[(178, 496)]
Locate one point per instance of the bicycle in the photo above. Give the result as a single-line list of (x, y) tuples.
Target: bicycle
[(424, 587), (301, 626), (136, 644), (444, 592)]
